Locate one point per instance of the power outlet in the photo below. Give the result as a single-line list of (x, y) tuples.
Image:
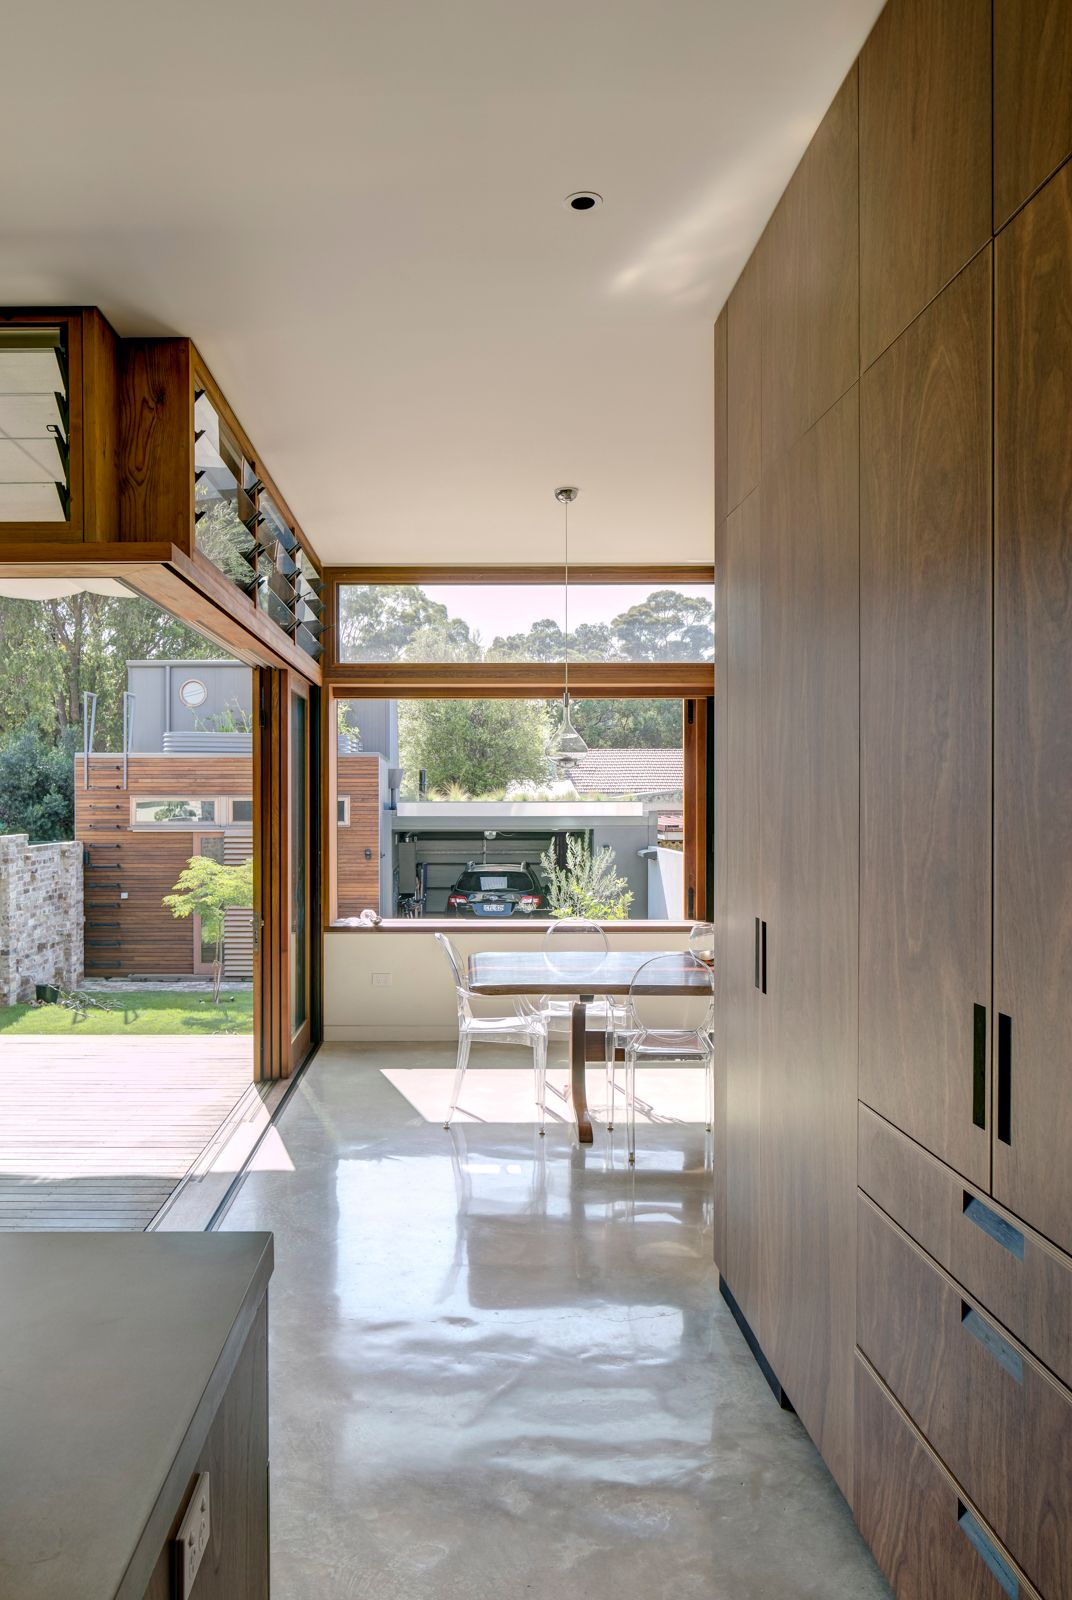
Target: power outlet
[(381, 980), (191, 1541)]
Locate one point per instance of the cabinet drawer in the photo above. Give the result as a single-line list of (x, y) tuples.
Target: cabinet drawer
[(1022, 1279), (999, 1422), (929, 1545)]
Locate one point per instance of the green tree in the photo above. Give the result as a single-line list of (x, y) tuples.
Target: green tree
[(628, 724), (37, 785), (473, 746), (588, 885), (52, 651), (378, 622), (209, 889), (666, 626)]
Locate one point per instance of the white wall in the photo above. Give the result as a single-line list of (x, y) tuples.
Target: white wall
[(418, 1001), (666, 884)]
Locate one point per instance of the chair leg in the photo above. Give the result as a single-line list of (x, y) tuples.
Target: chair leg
[(539, 1051), (630, 1104), (463, 1061), (709, 1088), (610, 1073)]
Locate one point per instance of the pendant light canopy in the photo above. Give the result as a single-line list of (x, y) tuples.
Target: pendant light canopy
[(566, 747)]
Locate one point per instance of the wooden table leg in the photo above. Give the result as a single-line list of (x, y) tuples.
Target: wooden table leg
[(578, 1054)]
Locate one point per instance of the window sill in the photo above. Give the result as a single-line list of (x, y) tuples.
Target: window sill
[(491, 925)]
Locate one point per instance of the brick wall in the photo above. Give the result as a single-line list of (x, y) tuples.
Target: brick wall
[(40, 916)]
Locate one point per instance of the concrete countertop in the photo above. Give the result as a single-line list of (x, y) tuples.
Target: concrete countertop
[(108, 1342)]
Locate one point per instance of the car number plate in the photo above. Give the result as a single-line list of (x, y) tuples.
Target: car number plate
[(494, 905)]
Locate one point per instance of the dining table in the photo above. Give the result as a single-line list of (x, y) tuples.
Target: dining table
[(582, 974)]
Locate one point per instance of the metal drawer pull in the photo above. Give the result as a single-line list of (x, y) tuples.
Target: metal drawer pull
[(987, 1551), (1001, 1231), (991, 1341)]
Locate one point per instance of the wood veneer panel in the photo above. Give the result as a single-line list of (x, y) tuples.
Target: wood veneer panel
[(737, 813), (100, 389), (1033, 694), (1010, 1270), (811, 348), (235, 1456), (1032, 97), (810, 798), (925, 135), (156, 441), (721, 357), (744, 314), (999, 1422), (925, 746), (359, 880), (908, 1508)]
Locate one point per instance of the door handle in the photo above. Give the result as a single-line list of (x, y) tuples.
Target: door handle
[(987, 1551), (979, 1068), (1004, 1078), (1002, 1351)]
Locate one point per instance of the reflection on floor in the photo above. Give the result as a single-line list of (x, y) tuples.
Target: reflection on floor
[(96, 1132), (500, 1365)]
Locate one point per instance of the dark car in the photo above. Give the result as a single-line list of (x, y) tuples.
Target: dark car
[(489, 890)]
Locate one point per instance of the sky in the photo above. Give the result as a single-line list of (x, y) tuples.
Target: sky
[(492, 609)]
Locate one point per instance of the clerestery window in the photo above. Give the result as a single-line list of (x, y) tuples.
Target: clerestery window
[(624, 622)]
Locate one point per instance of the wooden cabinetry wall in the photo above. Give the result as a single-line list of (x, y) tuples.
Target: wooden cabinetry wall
[(893, 784)]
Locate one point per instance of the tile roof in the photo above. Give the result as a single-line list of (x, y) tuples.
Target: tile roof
[(626, 771)]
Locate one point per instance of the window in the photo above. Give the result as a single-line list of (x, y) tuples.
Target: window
[(343, 806), (475, 796), (241, 810), (34, 484), (526, 622), (193, 693), (174, 812)]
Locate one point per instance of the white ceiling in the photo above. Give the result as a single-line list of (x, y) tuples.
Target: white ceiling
[(354, 207)]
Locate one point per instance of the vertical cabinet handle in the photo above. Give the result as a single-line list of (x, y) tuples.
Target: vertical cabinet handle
[(763, 959), (1004, 1078), (757, 954), (979, 1069)]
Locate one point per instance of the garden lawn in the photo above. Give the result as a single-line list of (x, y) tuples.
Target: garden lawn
[(137, 1011)]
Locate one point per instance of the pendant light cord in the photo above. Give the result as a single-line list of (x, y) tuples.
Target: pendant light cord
[(565, 692)]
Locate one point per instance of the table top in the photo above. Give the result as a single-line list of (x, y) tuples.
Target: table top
[(108, 1342), (581, 972)]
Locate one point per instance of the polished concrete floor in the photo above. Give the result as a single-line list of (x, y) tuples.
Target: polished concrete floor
[(499, 1363)]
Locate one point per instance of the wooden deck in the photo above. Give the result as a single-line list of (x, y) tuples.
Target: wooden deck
[(97, 1134)]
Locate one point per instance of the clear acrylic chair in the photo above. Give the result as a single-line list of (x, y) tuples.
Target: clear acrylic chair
[(569, 935), (656, 1027), (523, 1025)]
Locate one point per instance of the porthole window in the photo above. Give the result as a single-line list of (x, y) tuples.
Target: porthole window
[(193, 693)]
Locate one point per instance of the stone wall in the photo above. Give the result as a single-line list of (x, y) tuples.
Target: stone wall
[(40, 916)]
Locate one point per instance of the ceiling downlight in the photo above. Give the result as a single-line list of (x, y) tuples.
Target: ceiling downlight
[(583, 200)]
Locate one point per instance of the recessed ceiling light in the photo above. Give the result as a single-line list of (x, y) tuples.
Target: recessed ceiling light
[(583, 200)]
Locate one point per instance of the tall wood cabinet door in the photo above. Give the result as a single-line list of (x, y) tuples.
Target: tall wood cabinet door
[(925, 158), (810, 858), (925, 714), (739, 799), (1032, 99), (1033, 713)]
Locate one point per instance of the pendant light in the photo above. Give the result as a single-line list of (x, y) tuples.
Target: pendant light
[(566, 748)]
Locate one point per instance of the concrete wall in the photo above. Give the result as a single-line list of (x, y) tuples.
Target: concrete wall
[(417, 1000), (40, 916)]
